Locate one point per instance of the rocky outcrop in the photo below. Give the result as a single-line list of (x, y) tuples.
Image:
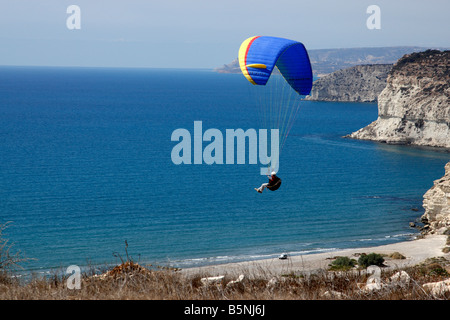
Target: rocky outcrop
[(414, 106), (361, 83), (232, 67), (436, 202)]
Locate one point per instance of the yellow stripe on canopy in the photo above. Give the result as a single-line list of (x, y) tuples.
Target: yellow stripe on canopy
[(243, 55)]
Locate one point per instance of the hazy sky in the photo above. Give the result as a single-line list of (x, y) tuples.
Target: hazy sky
[(203, 33)]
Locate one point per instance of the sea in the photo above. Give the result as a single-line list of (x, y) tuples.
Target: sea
[(87, 177)]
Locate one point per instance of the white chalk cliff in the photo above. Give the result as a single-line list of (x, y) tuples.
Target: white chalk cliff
[(414, 106), (436, 202)]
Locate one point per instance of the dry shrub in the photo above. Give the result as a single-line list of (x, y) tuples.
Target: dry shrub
[(131, 281), (397, 256)]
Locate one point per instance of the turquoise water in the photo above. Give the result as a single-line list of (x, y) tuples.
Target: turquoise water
[(85, 164)]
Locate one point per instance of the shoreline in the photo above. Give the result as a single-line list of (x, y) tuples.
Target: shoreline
[(415, 251)]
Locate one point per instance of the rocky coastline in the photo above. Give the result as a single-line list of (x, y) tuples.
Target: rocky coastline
[(436, 202), (413, 108), (362, 83)]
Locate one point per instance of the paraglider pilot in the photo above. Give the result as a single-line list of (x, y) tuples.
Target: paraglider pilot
[(273, 184)]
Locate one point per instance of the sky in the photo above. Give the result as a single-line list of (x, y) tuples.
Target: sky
[(203, 33)]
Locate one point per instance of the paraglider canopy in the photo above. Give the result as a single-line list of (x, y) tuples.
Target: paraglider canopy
[(259, 55), (277, 96)]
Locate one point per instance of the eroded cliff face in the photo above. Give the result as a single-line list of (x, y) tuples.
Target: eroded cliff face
[(436, 202), (361, 83), (414, 106)]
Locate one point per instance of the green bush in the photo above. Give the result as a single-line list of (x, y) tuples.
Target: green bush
[(436, 269), (342, 263), (370, 259)]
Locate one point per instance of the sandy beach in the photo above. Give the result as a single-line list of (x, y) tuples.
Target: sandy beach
[(415, 251)]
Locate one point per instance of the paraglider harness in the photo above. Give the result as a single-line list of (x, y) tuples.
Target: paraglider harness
[(274, 183)]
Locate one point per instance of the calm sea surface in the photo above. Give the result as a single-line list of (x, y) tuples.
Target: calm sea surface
[(85, 165)]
